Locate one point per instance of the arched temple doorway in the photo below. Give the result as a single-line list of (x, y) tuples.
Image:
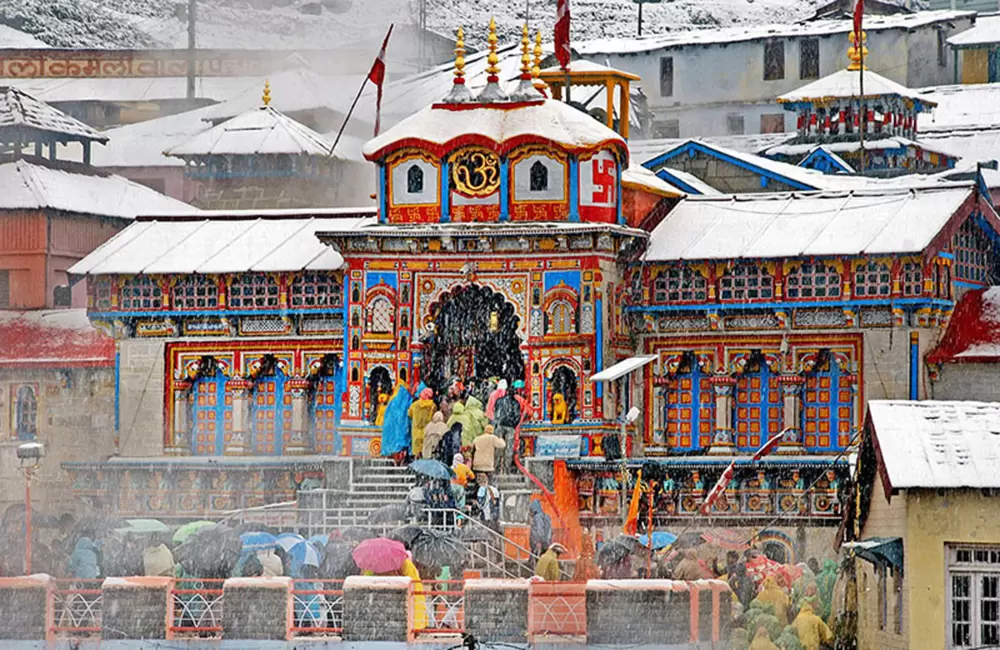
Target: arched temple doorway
[(563, 382), (474, 337)]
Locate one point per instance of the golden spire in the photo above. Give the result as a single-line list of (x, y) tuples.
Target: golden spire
[(266, 97), (857, 53), (460, 56), (536, 71), (492, 70), (525, 53)]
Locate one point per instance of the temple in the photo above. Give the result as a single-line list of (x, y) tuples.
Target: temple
[(512, 239)]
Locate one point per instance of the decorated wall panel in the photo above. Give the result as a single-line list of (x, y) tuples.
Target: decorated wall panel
[(599, 187)]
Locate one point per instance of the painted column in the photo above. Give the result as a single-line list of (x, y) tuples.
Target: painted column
[(238, 443), (723, 442), (791, 394), (914, 365), (180, 427), (299, 442)]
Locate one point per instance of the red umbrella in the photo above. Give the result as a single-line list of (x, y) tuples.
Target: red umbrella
[(379, 555), (761, 567)]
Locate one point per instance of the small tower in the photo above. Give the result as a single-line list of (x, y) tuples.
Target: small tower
[(492, 92), (460, 93)]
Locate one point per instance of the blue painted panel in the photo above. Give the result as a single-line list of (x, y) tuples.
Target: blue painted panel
[(570, 278), (676, 181), (445, 192), (574, 188), (505, 193), (373, 278), (383, 195), (599, 345)]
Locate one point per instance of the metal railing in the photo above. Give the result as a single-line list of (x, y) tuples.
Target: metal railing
[(197, 607), (438, 607), (318, 608), (76, 608)]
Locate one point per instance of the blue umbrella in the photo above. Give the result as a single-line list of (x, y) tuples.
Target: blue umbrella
[(303, 554), (288, 540), (258, 541), (660, 539), (432, 468), (320, 540)]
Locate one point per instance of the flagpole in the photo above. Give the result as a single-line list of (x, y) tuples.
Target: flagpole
[(860, 44), (347, 118)]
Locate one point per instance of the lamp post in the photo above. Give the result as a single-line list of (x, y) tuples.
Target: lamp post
[(30, 454), (640, 3)]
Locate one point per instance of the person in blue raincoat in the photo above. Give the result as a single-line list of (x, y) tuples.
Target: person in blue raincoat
[(84, 563), (396, 425)]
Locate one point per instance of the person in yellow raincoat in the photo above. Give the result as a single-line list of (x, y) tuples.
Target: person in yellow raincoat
[(775, 596), (419, 602), (811, 629), (420, 413), (762, 641)]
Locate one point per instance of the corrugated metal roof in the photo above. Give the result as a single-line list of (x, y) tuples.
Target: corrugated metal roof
[(229, 245), (804, 224), (985, 32), (934, 444)]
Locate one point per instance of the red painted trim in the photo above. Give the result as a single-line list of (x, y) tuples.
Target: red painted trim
[(474, 139), (499, 106)]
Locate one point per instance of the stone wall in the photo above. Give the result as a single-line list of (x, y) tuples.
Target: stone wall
[(141, 397), (724, 176), (350, 187), (967, 381)]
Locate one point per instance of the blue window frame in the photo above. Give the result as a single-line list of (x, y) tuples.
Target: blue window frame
[(270, 415), (827, 408), (211, 415), (690, 410), (758, 406)]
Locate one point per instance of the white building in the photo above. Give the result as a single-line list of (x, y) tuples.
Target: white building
[(725, 81)]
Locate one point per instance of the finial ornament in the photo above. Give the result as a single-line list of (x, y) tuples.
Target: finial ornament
[(460, 56), (266, 97), (857, 52), (525, 53), (492, 70)]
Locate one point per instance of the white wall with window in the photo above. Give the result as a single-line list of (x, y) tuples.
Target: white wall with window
[(414, 182), (539, 178)]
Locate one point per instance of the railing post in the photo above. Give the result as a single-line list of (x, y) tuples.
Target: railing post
[(136, 608), (24, 610), (247, 598), (377, 608), (497, 610)]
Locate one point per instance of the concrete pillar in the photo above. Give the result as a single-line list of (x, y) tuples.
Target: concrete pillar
[(496, 611), (136, 608), (181, 426), (723, 442), (24, 614), (239, 442), (299, 442), (258, 609), (377, 608), (627, 612)]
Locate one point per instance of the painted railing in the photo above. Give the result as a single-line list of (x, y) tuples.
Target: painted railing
[(76, 608), (197, 608), (438, 607), (557, 609), (317, 608)]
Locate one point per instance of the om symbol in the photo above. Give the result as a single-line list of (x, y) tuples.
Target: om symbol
[(476, 173)]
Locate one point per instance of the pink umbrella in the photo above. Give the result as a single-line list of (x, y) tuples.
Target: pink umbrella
[(379, 555)]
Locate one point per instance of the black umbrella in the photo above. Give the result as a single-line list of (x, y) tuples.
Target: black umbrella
[(212, 552), (337, 563), (406, 534), (433, 548), (390, 514), (612, 553), (356, 534)]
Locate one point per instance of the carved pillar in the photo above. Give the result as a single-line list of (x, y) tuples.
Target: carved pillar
[(791, 393), (723, 442), (180, 427), (299, 442), (238, 443)]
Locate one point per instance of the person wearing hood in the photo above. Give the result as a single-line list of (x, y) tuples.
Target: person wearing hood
[(433, 434), (158, 561), (825, 583), (497, 393), (762, 641), (271, 563), (811, 629), (460, 416), (84, 563), (507, 418), (451, 444), (775, 596), (475, 409), (462, 477), (540, 528), (420, 413), (484, 451), (742, 585), (548, 565), (689, 568), (396, 425)]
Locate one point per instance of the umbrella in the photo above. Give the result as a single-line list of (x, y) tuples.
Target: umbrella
[(182, 534), (357, 534), (289, 540), (390, 514), (379, 555), (143, 526), (321, 540), (338, 563), (634, 546), (305, 553), (432, 468), (433, 548), (611, 553), (406, 534), (661, 539), (210, 552), (760, 567), (258, 541)]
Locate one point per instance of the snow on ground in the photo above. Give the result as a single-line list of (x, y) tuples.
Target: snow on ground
[(287, 24)]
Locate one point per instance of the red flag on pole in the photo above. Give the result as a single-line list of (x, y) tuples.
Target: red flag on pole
[(377, 77), (562, 34), (718, 488), (859, 12), (769, 446)]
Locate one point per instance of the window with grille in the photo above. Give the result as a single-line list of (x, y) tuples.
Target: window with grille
[(827, 408), (324, 415), (561, 318), (382, 315), (758, 405), (872, 280), (253, 290), (26, 413), (539, 177), (141, 293), (680, 285), (809, 58), (943, 280), (774, 61), (816, 280), (972, 258), (973, 596), (735, 125), (667, 76), (314, 289), (196, 292), (772, 123), (4, 289), (690, 411), (913, 279), (746, 282), (102, 294), (667, 129)]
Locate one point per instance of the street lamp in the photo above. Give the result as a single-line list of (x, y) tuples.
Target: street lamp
[(640, 3), (30, 454)]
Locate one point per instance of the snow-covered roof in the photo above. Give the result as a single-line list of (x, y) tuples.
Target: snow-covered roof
[(644, 150), (986, 31), (966, 106), (833, 148), (13, 39), (261, 131), (19, 110), (817, 224), (230, 243), (972, 145), (503, 125), (716, 36), (686, 182), (973, 333), (932, 444), (31, 185), (639, 177), (846, 84), (58, 338)]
